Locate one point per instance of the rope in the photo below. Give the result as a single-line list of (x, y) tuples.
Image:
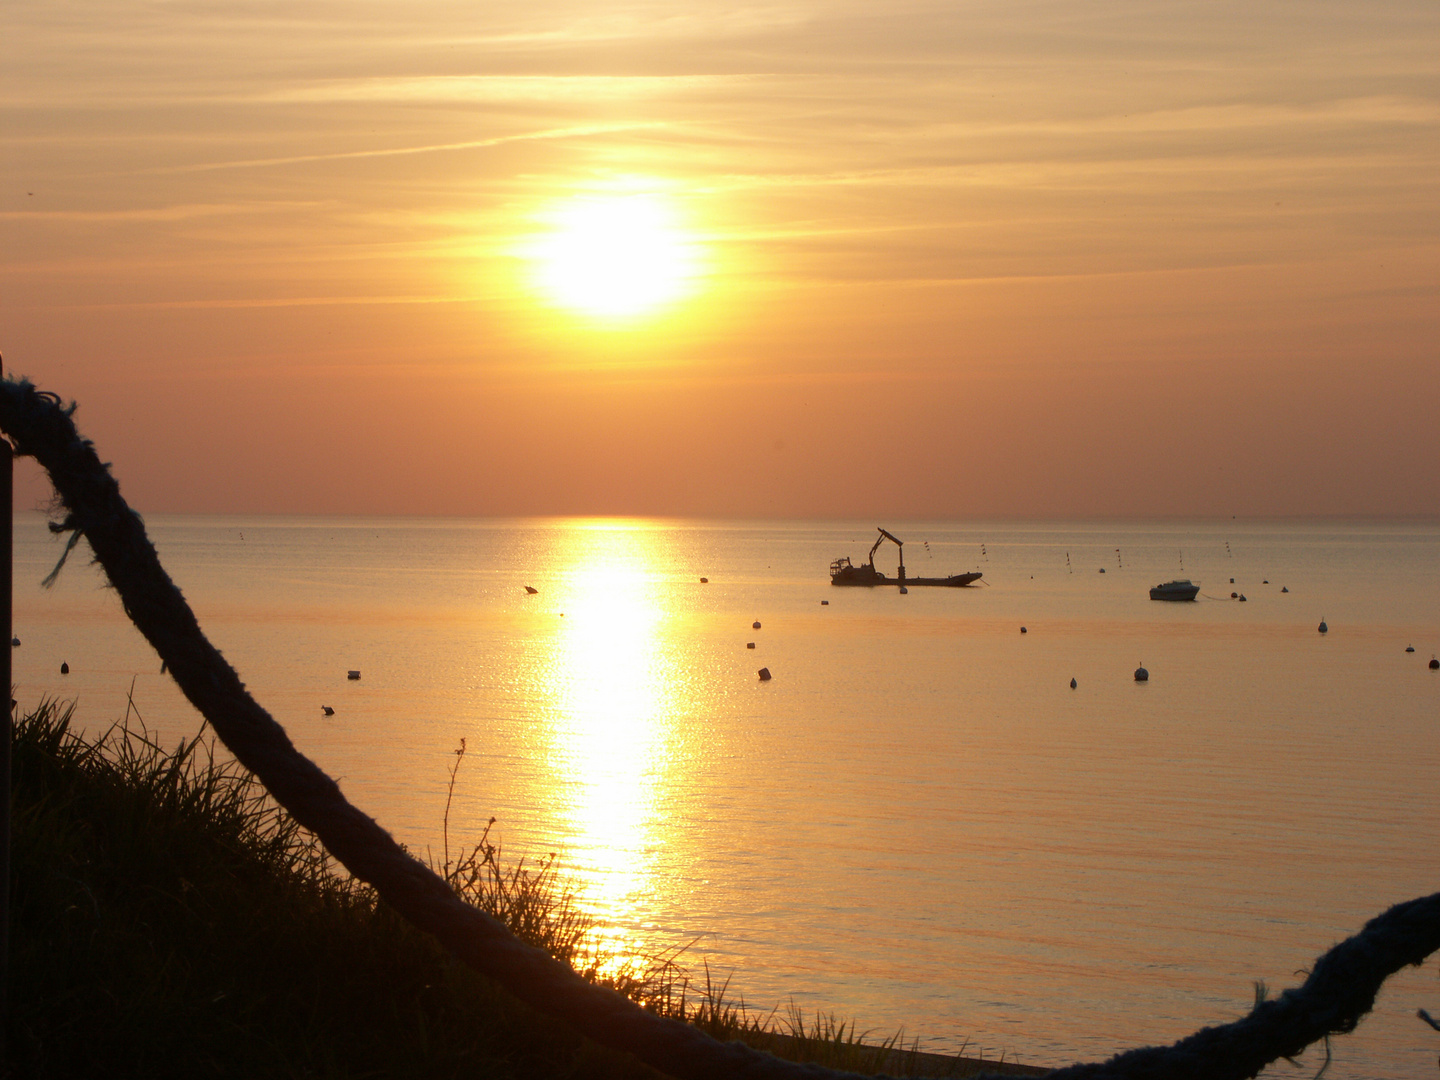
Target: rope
[(1332, 1000)]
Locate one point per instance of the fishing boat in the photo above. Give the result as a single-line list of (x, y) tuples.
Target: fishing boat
[(844, 572), (1175, 590)]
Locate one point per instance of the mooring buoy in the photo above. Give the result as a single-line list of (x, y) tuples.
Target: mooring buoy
[(764, 674), (1024, 630), (749, 644), (1073, 684), (64, 668), (1434, 664), (704, 581), (1409, 648), (755, 625), (1141, 675), (1323, 628), (327, 710), (352, 675)]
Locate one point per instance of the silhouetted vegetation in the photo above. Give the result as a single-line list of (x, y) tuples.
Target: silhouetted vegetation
[(170, 920)]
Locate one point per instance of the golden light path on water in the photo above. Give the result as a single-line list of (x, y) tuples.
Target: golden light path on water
[(606, 683)]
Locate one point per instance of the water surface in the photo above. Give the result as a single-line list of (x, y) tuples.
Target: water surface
[(917, 822)]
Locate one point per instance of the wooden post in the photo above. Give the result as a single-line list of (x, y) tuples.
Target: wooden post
[(7, 500)]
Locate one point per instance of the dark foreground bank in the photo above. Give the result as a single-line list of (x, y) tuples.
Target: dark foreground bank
[(169, 920)]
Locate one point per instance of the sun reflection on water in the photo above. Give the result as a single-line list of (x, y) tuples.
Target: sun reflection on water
[(609, 704)]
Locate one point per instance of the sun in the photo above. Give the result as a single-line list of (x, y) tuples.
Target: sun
[(614, 256)]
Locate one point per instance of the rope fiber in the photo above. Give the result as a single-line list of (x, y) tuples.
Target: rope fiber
[(1337, 993)]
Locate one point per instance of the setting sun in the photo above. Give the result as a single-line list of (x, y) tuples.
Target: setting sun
[(614, 256)]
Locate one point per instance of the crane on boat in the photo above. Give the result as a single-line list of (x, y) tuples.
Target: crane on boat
[(844, 572), (887, 535)]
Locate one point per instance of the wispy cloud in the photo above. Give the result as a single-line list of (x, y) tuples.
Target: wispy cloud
[(577, 132)]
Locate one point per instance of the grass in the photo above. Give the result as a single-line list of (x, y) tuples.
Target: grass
[(169, 920)]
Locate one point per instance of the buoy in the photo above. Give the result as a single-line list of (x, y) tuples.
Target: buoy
[(327, 710), (15, 642), (1265, 581), (64, 669), (749, 644), (1141, 675), (704, 581), (904, 591), (1323, 628), (1434, 664), (1409, 648), (1234, 596), (1232, 581), (764, 674), (1284, 588), (1102, 569), (1024, 630), (531, 590), (1242, 598), (755, 625), (1073, 684), (352, 675), (824, 603)]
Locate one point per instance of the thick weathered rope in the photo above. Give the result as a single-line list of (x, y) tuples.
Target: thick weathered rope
[(1339, 991)]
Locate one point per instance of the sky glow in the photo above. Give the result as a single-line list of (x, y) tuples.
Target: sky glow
[(613, 257), (942, 260)]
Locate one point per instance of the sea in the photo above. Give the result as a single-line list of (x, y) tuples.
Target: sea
[(952, 813)]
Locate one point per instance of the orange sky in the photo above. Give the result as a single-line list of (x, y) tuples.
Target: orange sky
[(951, 259)]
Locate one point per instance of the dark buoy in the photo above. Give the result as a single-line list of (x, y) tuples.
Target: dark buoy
[(64, 669), (1323, 628), (704, 581), (1232, 581), (904, 591), (824, 603), (15, 642), (352, 675), (1024, 630), (1434, 664), (1284, 588), (1265, 581), (1073, 684), (1102, 569), (1409, 648), (1234, 596), (749, 644), (764, 674), (531, 590), (755, 625), (1242, 598), (1141, 675), (327, 710)]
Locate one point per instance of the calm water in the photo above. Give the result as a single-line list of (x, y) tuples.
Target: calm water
[(917, 822)]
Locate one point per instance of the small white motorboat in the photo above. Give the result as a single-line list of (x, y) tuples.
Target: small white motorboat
[(1175, 590)]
